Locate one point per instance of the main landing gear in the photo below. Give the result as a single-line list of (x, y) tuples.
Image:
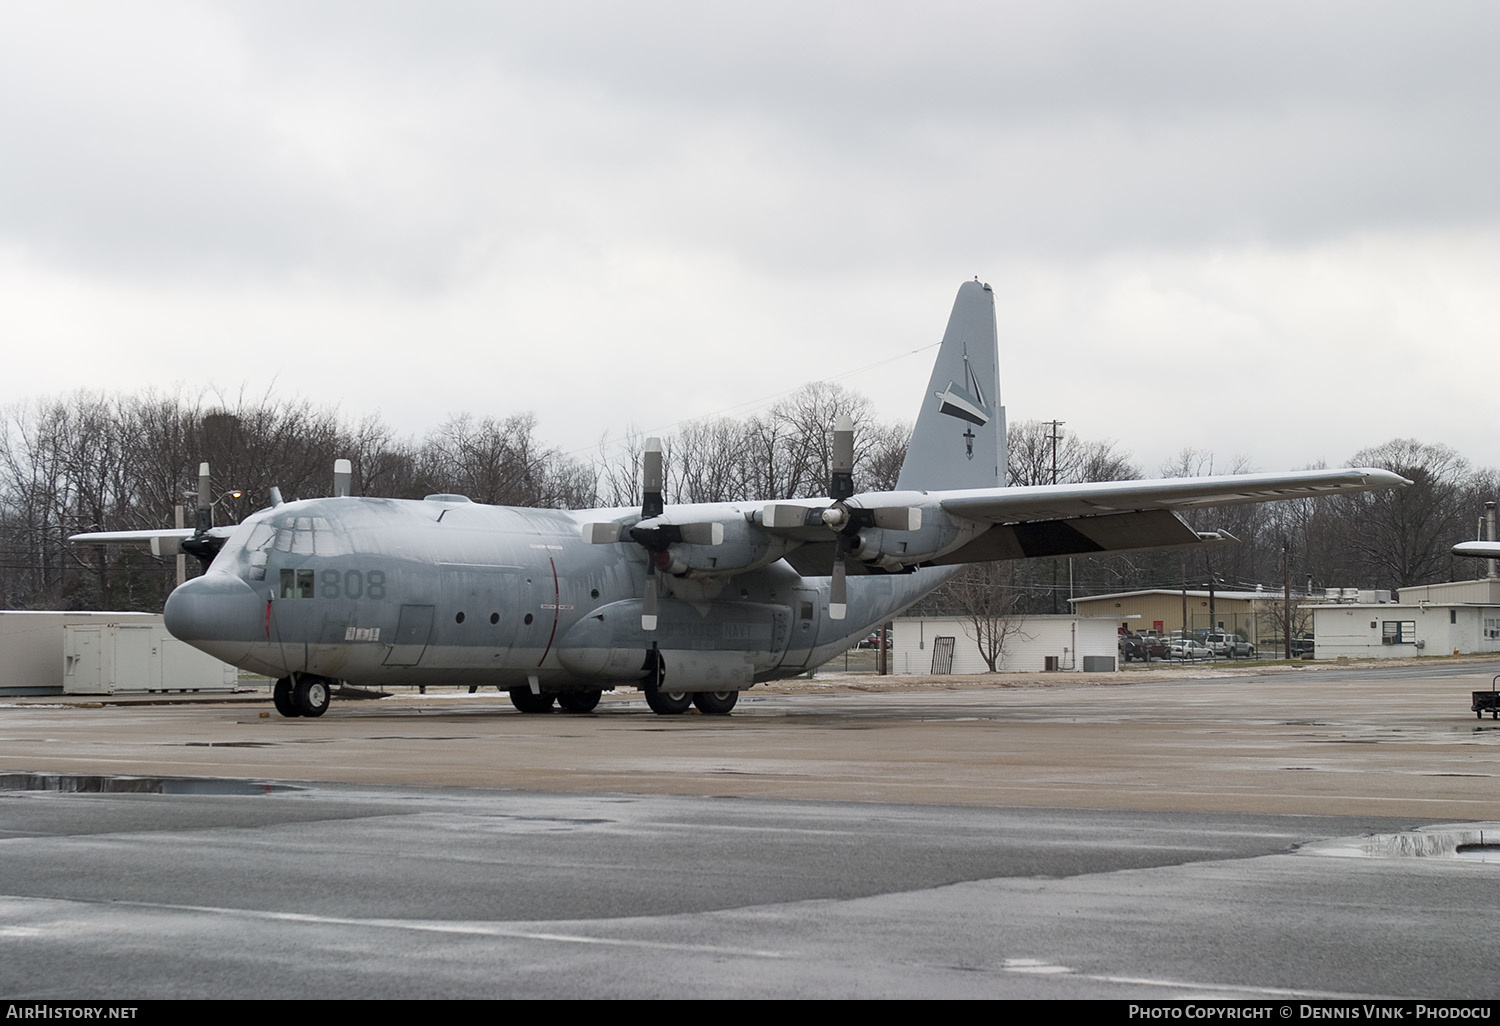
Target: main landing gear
[(302, 694), (674, 703), (715, 703), (570, 701)]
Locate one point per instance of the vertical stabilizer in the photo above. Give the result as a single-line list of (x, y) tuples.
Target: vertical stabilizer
[(959, 440)]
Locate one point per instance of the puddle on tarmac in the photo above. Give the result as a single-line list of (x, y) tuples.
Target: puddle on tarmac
[(1472, 842), (97, 783)]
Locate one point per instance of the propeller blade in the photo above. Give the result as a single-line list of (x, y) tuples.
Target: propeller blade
[(205, 500), (701, 534), (651, 479), (898, 518), (780, 516), (838, 590), (841, 486), (601, 534), (648, 600)]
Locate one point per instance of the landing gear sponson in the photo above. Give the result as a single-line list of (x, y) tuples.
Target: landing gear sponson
[(306, 694), (664, 703)]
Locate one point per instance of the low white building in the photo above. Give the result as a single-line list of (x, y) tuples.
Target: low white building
[(1430, 619), (100, 652), (946, 644)]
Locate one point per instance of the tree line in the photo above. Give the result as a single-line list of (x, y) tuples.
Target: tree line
[(90, 461)]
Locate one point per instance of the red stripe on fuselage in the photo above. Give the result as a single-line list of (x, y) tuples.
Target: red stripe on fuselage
[(556, 601)]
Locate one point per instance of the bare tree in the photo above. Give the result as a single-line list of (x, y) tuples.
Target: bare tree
[(1030, 452), (1402, 536), (985, 596)]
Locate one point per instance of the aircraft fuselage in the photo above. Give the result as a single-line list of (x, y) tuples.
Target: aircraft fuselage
[(445, 591)]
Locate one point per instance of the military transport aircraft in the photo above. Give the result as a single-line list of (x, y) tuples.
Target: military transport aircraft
[(690, 603)]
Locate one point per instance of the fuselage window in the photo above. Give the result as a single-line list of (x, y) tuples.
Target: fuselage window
[(459, 618)]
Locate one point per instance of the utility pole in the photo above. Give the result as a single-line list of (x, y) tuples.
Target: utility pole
[(1489, 521), (1055, 435), (1286, 593)]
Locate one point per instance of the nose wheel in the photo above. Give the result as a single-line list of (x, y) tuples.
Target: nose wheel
[(302, 694), (281, 695)]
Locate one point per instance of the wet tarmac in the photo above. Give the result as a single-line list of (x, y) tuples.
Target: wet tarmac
[(1270, 837)]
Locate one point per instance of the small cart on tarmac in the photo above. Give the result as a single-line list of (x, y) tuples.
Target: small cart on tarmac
[(1487, 700)]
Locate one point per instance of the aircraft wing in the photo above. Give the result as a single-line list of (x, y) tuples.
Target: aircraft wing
[(940, 528), (1480, 549), (163, 542), (1126, 516), (1058, 502)]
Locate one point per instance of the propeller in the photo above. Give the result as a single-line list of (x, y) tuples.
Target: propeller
[(653, 533), (652, 540), (845, 520), (201, 543)]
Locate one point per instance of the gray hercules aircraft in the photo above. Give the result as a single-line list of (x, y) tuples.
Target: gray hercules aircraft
[(692, 604)]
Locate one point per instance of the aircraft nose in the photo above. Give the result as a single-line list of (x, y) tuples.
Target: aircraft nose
[(218, 613)]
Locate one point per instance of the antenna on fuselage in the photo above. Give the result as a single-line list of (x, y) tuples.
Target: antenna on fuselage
[(343, 473)]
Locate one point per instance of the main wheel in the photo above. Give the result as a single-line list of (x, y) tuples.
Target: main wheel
[(578, 701), (311, 695), (715, 703), (668, 703), (282, 696), (526, 702)]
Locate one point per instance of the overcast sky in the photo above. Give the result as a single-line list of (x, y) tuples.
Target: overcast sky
[(1265, 229)]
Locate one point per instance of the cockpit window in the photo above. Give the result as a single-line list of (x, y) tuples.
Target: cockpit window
[(245, 551), (303, 536), (296, 584), (248, 552)]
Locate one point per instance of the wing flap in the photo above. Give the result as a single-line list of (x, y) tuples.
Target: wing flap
[(1080, 536)]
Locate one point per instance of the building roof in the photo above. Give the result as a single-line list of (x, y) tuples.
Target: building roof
[(1243, 596)]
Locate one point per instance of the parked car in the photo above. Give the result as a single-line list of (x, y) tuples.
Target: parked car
[(1302, 648), (1187, 648), (1142, 646), (1229, 645), (873, 641)]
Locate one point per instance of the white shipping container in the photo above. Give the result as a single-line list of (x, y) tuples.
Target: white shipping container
[(112, 659)]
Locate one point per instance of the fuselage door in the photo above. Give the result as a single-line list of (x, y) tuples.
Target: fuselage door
[(806, 603), (412, 632)]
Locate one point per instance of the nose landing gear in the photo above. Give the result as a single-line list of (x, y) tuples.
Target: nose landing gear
[(302, 694)]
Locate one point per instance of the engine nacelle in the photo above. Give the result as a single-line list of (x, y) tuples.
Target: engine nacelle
[(895, 550), (743, 547)]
